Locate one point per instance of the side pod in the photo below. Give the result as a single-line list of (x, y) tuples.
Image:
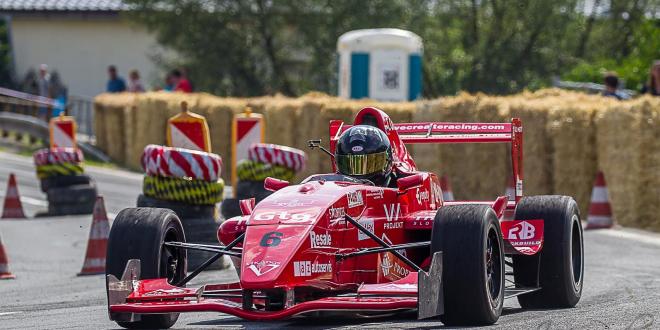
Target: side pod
[(119, 290), (430, 300)]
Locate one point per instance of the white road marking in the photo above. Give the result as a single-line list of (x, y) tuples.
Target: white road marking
[(9, 313), (625, 234), (30, 200)]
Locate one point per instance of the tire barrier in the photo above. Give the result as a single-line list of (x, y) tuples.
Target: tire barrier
[(248, 170), (197, 192), (75, 199), (181, 163), (46, 171), (273, 154), (60, 181), (48, 156)]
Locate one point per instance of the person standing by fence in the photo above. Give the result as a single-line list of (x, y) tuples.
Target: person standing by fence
[(43, 88)]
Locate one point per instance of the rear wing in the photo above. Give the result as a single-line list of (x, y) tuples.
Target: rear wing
[(442, 132)]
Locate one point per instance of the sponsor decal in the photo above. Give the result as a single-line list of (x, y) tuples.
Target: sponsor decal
[(392, 212), (422, 196), (369, 225), (423, 220), (436, 193), (375, 194), (262, 267), (450, 127), (307, 268), (355, 199), (391, 267), (337, 213), (522, 230), (320, 240), (519, 187), (357, 148), (386, 264), (283, 216)]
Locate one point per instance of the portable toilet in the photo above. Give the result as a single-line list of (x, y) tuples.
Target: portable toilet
[(382, 64)]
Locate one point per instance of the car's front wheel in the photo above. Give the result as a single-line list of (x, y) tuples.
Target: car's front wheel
[(139, 233), (470, 239)]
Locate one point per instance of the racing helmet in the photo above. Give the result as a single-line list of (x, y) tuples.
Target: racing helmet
[(364, 152)]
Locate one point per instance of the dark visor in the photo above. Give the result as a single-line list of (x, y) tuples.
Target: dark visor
[(362, 164)]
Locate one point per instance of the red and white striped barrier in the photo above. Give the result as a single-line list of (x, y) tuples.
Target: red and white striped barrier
[(277, 155), (600, 212), (188, 130), (49, 156), (179, 163), (247, 128), (63, 132)]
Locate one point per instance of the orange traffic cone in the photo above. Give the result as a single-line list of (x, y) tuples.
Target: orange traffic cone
[(13, 207), (600, 212), (510, 189), (98, 241), (4, 265), (447, 194)]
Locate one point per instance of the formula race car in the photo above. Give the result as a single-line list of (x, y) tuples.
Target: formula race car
[(340, 242)]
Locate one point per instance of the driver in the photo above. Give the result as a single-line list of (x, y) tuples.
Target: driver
[(364, 152)]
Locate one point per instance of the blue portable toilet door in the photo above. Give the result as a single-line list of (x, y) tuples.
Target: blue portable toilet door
[(359, 75), (415, 76)]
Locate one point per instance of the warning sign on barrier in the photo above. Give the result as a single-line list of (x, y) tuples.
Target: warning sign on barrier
[(247, 128), (188, 130), (62, 132)]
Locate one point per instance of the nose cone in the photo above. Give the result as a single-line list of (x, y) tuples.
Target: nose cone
[(267, 252)]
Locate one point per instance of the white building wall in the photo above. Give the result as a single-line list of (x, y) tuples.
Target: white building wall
[(81, 49)]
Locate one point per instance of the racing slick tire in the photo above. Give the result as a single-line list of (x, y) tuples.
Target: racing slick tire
[(470, 239), (139, 233), (561, 270), (64, 181), (183, 210)]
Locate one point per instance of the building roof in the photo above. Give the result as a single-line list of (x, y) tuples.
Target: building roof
[(36, 6)]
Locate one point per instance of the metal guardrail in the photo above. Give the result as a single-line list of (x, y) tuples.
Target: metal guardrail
[(82, 108), (37, 128), (588, 87)]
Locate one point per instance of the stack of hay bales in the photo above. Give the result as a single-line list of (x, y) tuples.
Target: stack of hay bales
[(568, 137), (62, 178)]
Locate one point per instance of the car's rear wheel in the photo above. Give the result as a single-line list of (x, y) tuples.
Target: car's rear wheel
[(561, 271), (139, 233), (470, 239)]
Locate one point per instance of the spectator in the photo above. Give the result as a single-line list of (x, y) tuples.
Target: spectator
[(43, 88), (116, 83), (169, 83), (653, 85), (611, 87), (134, 83), (181, 83), (58, 92)]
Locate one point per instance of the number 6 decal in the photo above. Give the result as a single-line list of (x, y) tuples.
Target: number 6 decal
[(272, 238)]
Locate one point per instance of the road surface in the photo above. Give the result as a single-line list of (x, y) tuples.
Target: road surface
[(621, 291)]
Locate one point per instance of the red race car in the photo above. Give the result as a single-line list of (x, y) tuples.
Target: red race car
[(354, 242)]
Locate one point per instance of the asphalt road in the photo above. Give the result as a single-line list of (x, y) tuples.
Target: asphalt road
[(622, 274)]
